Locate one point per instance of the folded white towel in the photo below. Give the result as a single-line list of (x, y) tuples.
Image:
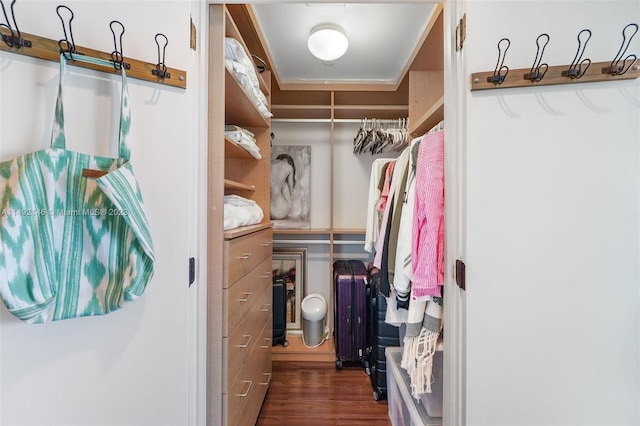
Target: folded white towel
[(239, 211)]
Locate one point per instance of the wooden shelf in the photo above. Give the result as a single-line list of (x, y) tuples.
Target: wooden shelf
[(430, 118), (371, 111), (349, 231), (426, 100), (244, 230), (233, 185), (233, 32), (281, 231), (233, 150), (301, 111), (340, 111), (297, 351), (239, 108)]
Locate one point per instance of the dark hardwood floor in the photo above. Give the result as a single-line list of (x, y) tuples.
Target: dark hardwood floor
[(315, 393)]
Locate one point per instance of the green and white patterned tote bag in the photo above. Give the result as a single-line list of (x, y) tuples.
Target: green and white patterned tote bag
[(74, 237)]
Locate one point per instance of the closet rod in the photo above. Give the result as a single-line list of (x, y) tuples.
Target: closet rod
[(336, 242), (316, 120), (300, 241), (348, 242)]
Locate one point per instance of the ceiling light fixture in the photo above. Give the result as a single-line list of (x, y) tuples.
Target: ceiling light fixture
[(327, 42)]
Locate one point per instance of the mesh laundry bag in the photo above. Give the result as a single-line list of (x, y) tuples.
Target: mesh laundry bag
[(74, 238)]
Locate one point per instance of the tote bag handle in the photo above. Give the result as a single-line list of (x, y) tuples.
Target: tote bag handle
[(58, 139)]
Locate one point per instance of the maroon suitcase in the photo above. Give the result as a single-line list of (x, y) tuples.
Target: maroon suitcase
[(350, 310)]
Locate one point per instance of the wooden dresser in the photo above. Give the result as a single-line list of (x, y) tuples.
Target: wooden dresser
[(247, 328), (239, 333)]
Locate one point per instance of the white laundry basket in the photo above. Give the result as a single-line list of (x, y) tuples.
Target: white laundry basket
[(314, 312)]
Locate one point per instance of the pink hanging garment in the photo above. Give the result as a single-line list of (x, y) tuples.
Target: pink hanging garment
[(427, 242)]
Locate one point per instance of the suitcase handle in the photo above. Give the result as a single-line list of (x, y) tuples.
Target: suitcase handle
[(242, 395), (246, 299)]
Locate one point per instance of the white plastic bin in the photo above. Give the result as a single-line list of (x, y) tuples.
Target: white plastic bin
[(403, 409), (314, 312)]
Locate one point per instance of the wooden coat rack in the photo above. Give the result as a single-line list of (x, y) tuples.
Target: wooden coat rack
[(15, 41), (579, 71)]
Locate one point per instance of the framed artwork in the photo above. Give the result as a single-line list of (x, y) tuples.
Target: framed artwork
[(290, 265), (290, 186)]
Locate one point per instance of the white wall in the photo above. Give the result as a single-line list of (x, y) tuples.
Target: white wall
[(132, 366), (552, 225)]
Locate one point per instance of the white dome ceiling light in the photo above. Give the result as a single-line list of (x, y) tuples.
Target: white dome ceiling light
[(327, 42)]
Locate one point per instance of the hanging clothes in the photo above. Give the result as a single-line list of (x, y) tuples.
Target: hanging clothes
[(378, 169), (381, 135), (403, 266), (398, 203), (385, 253), (385, 186), (427, 244)]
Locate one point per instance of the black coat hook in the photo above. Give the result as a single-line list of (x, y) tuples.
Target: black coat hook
[(67, 44), (575, 69), (535, 74), (117, 56), (616, 68), (498, 77), (15, 38), (161, 68)]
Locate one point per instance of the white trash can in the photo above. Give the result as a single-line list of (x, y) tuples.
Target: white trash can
[(314, 311)]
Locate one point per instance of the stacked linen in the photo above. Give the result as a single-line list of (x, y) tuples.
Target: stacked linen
[(244, 71), (244, 138), (239, 211)]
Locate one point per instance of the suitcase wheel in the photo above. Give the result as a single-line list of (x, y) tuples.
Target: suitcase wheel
[(376, 396), (338, 365)]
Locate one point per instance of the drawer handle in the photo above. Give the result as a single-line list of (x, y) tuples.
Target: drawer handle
[(248, 341), (246, 299), (268, 380), (267, 307), (242, 395), (245, 256), (266, 244), (268, 345), (266, 275)]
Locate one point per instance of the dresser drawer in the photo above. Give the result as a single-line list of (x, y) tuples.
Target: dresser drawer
[(241, 296), (253, 405), (244, 253), (244, 399), (248, 336)]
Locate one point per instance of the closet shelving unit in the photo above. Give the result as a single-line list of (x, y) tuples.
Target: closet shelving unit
[(239, 261), (419, 96)]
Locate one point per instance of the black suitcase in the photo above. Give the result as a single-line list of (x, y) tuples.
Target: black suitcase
[(380, 335), (279, 312), (350, 282)]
